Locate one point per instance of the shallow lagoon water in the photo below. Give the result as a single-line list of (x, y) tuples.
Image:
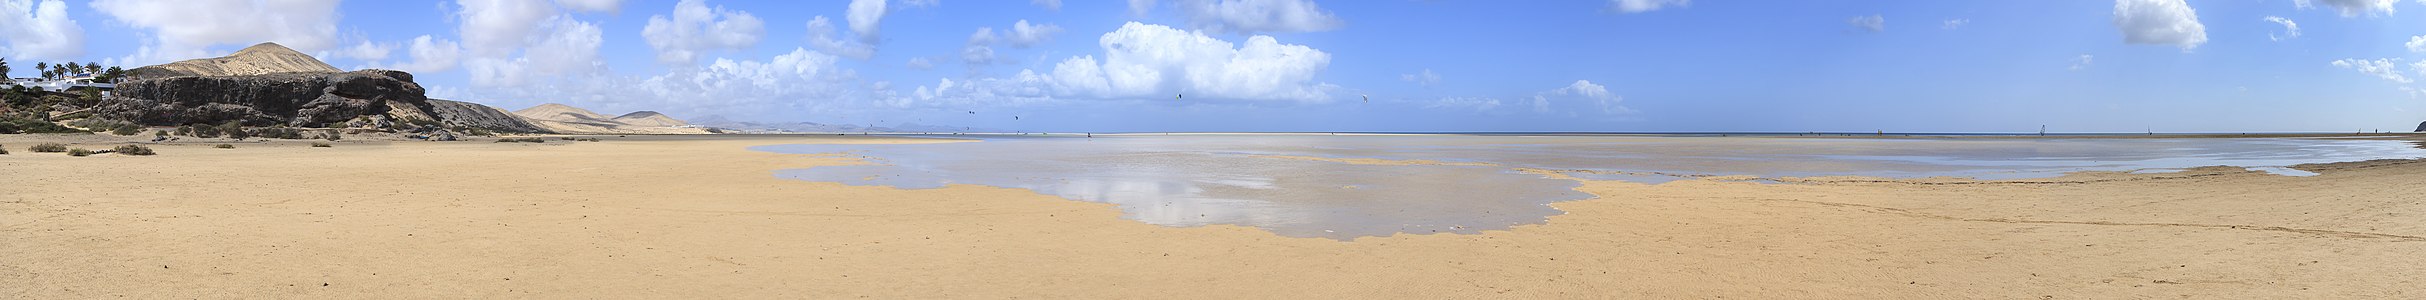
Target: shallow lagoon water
[(1194, 180)]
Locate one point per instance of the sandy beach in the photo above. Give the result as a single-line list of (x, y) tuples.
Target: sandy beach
[(679, 218)]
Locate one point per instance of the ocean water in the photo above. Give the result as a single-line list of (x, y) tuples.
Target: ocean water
[(1194, 180)]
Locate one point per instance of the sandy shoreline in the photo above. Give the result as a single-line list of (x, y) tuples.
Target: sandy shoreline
[(640, 218)]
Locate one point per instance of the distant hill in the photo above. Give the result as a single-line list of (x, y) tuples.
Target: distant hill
[(260, 59), (562, 118), (563, 113), (649, 118)]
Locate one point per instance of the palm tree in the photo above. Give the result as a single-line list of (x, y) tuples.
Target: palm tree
[(92, 68), (3, 68), (43, 67)]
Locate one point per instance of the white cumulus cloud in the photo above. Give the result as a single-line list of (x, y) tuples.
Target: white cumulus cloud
[(2416, 44), (2381, 68), (1023, 35), (824, 37), (2159, 22), (567, 47), (1024, 88), (592, 5), (38, 30), (696, 28), (864, 16), (783, 86), (183, 29), (2082, 62), (1143, 60), (977, 51), (366, 50), (1047, 4), (1251, 16), (1580, 93), (2351, 8), (496, 28), (1955, 24), (740, 86), (429, 54)]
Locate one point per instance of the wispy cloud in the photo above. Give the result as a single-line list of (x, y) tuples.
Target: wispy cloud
[(1872, 23)]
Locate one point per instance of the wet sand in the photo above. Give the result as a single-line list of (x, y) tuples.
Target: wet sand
[(704, 217)]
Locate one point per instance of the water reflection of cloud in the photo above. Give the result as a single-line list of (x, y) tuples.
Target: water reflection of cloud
[(1199, 180)]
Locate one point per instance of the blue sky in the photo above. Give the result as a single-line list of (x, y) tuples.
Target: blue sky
[(1300, 65)]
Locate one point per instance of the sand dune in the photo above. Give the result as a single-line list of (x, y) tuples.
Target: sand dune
[(264, 58), (649, 119), (567, 119)]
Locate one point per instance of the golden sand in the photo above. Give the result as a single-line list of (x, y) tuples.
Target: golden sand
[(679, 219)]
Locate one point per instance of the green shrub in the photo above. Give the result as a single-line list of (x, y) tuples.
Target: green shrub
[(31, 125), (234, 130), (126, 129), (279, 132), (199, 131), (79, 152), (48, 148), (136, 150), (224, 146), (320, 145)]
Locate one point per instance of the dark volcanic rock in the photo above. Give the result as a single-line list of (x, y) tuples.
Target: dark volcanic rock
[(472, 115), (2421, 127), (293, 99), (366, 98), (271, 85)]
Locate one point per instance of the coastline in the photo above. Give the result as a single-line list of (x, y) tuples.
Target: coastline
[(667, 217)]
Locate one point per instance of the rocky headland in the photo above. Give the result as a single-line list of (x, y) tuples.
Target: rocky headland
[(270, 85)]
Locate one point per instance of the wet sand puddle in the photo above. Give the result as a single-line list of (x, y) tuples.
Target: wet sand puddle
[(1343, 187)]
